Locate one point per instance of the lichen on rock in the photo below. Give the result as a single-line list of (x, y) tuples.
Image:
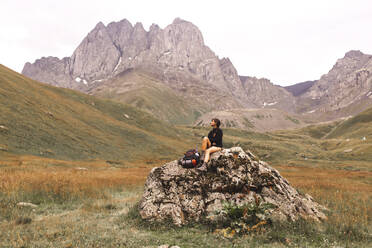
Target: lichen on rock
[(235, 176)]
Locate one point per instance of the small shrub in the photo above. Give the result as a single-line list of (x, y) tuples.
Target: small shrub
[(110, 206), (258, 116), (244, 219), (295, 121)]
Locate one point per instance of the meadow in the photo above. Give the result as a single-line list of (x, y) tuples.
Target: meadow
[(93, 203)]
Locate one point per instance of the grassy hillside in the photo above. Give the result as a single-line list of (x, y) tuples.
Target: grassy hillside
[(303, 147), (356, 127), (43, 120), (261, 120), (306, 106), (149, 94)]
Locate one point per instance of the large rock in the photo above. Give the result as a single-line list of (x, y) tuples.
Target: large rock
[(233, 175)]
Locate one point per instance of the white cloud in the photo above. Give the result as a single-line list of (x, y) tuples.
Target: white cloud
[(286, 41)]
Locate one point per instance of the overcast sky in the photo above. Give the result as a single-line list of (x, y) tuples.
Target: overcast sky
[(286, 41)]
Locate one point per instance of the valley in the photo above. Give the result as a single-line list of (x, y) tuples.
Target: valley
[(85, 193), (80, 135)]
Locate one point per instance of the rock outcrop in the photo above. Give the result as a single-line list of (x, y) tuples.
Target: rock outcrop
[(265, 94), (184, 195), (51, 70)]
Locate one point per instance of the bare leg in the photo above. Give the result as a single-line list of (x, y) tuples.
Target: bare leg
[(209, 151), (206, 143)]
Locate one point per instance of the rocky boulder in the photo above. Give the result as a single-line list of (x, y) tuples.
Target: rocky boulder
[(235, 176)]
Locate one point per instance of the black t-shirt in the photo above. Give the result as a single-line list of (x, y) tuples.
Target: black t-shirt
[(215, 136)]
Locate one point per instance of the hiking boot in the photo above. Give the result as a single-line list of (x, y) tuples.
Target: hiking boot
[(203, 167)]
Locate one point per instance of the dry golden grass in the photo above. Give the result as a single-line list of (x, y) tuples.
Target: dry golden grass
[(65, 178), (346, 193)]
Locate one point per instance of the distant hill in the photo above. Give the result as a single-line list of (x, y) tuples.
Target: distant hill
[(261, 120), (264, 94), (300, 88), (43, 120), (358, 126), (148, 93)]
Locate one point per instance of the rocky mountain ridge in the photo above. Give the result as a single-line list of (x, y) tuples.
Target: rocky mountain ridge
[(177, 57), (345, 90), (176, 51), (267, 95)]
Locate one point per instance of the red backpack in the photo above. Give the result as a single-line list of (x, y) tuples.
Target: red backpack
[(191, 159)]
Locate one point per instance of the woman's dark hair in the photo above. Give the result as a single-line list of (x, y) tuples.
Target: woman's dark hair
[(217, 121)]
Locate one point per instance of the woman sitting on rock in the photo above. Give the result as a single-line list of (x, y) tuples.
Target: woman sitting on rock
[(212, 143)]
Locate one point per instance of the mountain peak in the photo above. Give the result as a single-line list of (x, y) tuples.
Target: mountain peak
[(354, 54), (120, 24), (178, 20), (125, 21), (154, 27), (99, 26), (138, 25)]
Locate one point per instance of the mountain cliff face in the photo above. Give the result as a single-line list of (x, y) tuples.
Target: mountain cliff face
[(176, 55), (267, 95), (51, 70), (345, 90)]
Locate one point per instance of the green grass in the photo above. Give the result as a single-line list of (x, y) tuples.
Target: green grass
[(295, 121), (114, 222), (356, 127), (152, 96), (318, 131), (53, 122), (247, 123), (300, 147)]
